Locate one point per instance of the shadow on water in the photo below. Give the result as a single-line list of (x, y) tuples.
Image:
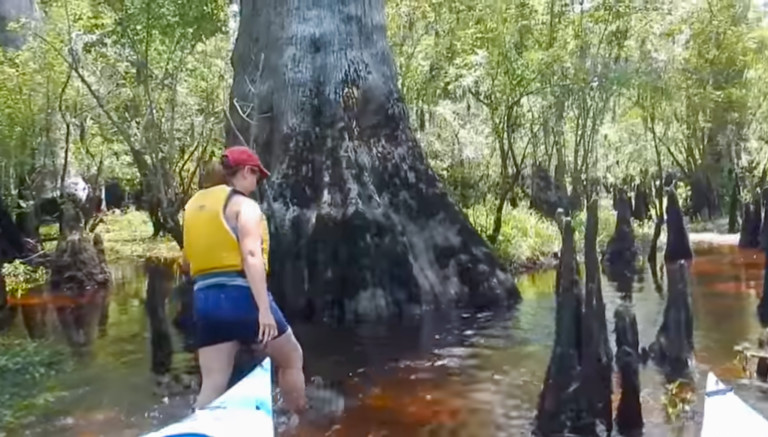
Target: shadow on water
[(457, 373)]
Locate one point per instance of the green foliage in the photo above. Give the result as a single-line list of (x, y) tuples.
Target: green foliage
[(20, 277), (609, 91), (615, 91), (133, 91), (678, 398), (128, 235), (27, 386), (525, 235)]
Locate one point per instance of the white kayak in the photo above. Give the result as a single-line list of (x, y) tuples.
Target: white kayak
[(243, 410), (725, 414)]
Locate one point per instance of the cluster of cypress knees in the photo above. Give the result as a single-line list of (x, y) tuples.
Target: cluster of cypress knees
[(576, 394)]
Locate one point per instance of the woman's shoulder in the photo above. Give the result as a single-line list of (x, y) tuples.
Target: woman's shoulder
[(244, 204)]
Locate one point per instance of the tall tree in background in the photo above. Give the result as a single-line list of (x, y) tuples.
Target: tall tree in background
[(361, 226)]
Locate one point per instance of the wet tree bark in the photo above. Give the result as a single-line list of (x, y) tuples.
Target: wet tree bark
[(547, 196), (79, 319), (11, 239), (576, 397), (77, 265), (678, 244), (751, 224), (704, 197), (733, 207), (641, 209), (764, 228), (621, 252), (757, 211), (360, 226), (597, 367), (762, 306), (746, 226), (673, 348), (629, 413), (184, 319), (659, 223), (159, 279)]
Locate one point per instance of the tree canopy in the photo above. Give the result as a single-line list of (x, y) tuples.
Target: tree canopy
[(610, 91)]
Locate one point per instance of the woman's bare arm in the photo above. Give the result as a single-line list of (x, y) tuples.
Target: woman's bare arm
[(249, 233)]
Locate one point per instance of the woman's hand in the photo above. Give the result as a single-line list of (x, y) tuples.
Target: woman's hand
[(267, 325)]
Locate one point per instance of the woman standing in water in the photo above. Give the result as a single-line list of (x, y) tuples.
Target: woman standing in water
[(226, 247)]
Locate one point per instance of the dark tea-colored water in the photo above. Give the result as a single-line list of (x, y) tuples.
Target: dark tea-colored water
[(456, 374)]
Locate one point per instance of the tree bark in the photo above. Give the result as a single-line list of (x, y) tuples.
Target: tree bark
[(673, 347), (641, 207), (733, 207), (360, 225), (79, 263), (629, 413), (762, 306), (621, 251), (764, 228), (11, 239), (159, 280), (678, 244), (547, 195), (576, 397), (749, 236)]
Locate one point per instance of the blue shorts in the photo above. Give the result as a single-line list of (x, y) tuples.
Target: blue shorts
[(225, 311)]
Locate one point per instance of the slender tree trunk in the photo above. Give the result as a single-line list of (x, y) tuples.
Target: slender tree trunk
[(733, 207), (360, 225), (498, 216)]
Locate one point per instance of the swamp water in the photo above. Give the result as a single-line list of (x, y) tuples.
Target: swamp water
[(458, 375)]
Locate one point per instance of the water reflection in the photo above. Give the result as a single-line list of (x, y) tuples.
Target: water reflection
[(453, 374), (46, 315), (159, 282)]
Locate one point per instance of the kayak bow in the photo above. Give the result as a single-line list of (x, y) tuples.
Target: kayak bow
[(725, 414), (243, 410)]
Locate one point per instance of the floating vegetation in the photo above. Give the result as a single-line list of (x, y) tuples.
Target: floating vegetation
[(678, 399), (20, 277)]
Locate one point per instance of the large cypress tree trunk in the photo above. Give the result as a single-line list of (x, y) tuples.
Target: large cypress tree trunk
[(360, 225)]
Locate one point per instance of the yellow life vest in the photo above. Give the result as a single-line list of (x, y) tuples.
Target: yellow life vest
[(210, 244)]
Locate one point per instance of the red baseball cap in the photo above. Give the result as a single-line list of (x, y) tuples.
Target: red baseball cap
[(241, 156)]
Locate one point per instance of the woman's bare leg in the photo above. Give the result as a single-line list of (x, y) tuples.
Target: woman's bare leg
[(216, 364), (287, 355)]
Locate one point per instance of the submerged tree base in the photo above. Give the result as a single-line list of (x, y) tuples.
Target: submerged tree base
[(673, 348), (79, 263), (576, 396), (629, 413)]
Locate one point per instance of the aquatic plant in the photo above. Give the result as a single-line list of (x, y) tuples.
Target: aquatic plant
[(27, 386), (678, 398), (20, 277)]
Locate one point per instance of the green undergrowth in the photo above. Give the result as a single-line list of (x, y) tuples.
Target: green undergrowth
[(127, 235), (19, 277), (28, 384), (528, 239)]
